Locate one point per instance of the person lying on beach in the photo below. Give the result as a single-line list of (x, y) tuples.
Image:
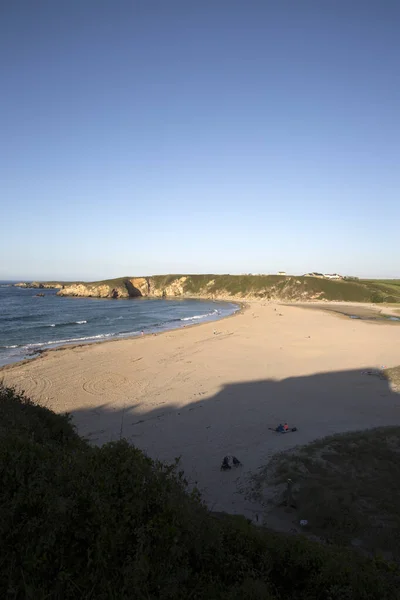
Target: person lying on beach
[(283, 428)]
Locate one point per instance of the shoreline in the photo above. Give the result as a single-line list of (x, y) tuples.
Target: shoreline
[(327, 306), (243, 305), (40, 353)]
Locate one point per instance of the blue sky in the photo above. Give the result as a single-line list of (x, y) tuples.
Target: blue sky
[(143, 137)]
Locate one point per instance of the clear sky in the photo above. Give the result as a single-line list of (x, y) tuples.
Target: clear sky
[(142, 137)]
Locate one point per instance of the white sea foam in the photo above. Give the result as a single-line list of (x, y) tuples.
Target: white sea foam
[(67, 323), (196, 317), (67, 340)]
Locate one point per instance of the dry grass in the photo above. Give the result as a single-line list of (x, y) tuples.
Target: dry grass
[(347, 487), (393, 375)]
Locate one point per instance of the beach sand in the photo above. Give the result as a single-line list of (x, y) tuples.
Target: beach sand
[(202, 392)]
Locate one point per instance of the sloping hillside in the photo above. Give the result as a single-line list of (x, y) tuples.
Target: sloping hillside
[(240, 287)]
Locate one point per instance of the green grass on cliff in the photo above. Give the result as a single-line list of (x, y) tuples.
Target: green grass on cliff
[(85, 522), (112, 283)]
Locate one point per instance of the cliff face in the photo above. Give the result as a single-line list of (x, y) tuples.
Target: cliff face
[(139, 284), (173, 289), (113, 288), (85, 289)]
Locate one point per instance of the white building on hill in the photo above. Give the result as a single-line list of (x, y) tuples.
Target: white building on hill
[(326, 276)]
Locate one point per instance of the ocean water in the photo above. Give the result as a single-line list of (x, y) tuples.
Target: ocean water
[(29, 323)]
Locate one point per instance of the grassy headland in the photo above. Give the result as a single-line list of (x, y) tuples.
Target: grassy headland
[(274, 287)]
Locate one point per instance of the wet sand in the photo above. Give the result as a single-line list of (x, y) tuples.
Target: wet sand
[(203, 392)]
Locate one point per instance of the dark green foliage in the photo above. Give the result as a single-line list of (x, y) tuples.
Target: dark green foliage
[(109, 523), (20, 418)]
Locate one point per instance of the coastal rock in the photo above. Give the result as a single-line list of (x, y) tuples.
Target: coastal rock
[(125, 288), (140, 286), (174, 289), (114, 288), (48, 285), (88, 290)]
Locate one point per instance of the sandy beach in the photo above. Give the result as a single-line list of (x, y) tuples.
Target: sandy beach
[(203, 392)]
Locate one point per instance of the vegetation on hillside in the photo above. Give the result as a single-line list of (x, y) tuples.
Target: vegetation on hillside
[(346, 486), (393, 376), (109, 523)]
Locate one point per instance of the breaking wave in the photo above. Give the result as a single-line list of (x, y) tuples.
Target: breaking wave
[(196, 317), (67, 324)]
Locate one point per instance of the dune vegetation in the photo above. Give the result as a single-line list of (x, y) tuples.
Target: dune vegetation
[(345, 486)]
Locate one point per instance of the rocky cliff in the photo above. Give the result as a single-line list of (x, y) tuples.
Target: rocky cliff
[(124, 287), (49, 285)]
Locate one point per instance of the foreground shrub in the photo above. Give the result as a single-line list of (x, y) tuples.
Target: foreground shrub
[(109, 523)]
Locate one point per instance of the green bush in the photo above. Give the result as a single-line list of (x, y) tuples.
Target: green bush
[(109, 523)]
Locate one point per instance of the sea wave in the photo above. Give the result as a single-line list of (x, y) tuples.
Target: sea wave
[(60, 342), (68, 340), (66, 324)]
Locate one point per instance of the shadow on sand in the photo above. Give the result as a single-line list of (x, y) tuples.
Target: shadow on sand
[(237, 420)]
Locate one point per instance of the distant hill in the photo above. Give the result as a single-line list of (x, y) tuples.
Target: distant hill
[(273, 287)]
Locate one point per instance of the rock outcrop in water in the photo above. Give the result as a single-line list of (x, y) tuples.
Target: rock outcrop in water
[(48, 285)]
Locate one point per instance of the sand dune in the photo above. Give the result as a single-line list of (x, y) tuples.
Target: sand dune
[(202, 392)]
